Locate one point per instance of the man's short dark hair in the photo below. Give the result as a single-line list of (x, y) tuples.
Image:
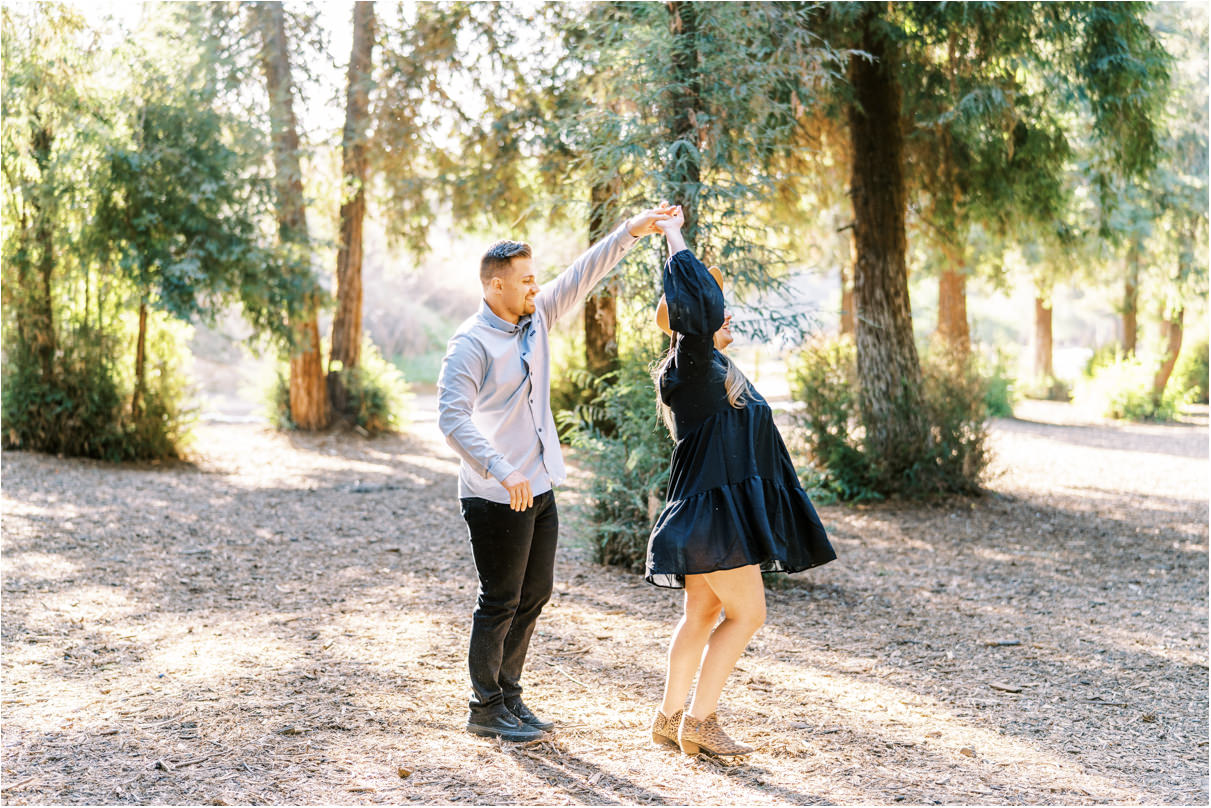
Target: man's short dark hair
[(500, 256)]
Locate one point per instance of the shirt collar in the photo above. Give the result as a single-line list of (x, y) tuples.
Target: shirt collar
[(499, 323)]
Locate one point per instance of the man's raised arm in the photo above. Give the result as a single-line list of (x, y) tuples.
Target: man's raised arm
[(574, 284)]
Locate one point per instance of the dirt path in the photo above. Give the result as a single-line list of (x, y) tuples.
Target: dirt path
[(285, 621)]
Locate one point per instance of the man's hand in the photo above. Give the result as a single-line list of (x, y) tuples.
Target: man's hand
[(520, 495), (644, 224)]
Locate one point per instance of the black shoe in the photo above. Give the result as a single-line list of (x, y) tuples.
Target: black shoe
[(523, 713), (504, 725)]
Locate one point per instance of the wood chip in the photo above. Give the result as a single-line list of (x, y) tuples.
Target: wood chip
[(1005, 688)]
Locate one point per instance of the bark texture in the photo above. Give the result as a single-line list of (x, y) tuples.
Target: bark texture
[(847, 290), (952, 310), (308, 390), (347, 320), (601, 307), (1172, 332), (1131, 302), (889, 369), (41, 313), (952, 282), (136, 401), (1043, 367)]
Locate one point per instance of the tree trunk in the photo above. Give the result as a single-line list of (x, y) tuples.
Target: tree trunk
[(1172, 331), (41, 308), (347, 320), (686, 81), (1043, 368), (308, 390), (1131, 301), (136, 400), (847, 290), (889, 370), (601, 308), (952, 311), (952, 282)]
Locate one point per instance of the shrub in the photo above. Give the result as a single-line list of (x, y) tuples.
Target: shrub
[(377, 395), (1102, 356), (954, 407), (629, 463), (1000, 385), (1047, 388), (824, 380), (1123, 389), (955, 400), (1190, 375), (571, 386), (83, 409)]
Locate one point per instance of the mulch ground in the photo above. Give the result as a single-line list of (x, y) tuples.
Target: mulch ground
[(284, 620)]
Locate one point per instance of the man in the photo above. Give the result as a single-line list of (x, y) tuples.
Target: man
[(493, 402)]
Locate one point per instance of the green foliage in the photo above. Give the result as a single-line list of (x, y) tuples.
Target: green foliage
[(824, 380), (1047, 388), (572, 388), (1102, 356), (630, 464), (1190, 375), (276, 398), (378, 394), (1122, 388), (180, 215), (1001, 386), (955, 405), (83, 409)]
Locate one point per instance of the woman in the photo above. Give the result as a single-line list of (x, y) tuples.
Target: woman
[(735, 507)]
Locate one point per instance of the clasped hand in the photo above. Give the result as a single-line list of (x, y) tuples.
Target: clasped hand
[(647, 223)]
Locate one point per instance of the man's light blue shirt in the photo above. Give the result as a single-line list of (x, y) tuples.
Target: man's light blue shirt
[(494, 389)]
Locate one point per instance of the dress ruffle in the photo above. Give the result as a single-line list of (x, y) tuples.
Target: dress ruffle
[(716, 530), (734, 499)]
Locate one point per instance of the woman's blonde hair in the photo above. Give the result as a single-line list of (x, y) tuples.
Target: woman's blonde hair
[(734, 383)]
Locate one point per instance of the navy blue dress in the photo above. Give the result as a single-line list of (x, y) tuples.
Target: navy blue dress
[(734, 498)]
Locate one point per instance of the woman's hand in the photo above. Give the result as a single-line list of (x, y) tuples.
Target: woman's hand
[(674, 222), (648, 223)]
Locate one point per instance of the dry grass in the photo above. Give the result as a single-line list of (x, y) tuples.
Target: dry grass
[(285, 621)]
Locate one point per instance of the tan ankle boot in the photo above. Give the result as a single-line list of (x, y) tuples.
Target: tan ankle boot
[(664, 729), (707, 736)]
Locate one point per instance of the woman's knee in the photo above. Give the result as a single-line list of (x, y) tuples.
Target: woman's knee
[(701, 605)]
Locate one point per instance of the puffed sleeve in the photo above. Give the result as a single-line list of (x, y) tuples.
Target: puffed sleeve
[(695, 300)]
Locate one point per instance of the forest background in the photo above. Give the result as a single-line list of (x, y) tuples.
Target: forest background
[(207, 207), (239, 234)]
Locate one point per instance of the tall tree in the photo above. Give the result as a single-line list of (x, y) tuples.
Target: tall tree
[(347, 320), (48, 121), (309, 406), (601, 307), (1179, 183), (991, 109), (888, 365)]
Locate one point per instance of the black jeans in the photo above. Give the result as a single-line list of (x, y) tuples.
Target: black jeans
[(515, 560)]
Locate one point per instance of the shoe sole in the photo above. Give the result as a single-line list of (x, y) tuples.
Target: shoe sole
[(515, 737)]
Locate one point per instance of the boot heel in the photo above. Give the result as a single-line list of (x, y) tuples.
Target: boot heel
[(690, 748)]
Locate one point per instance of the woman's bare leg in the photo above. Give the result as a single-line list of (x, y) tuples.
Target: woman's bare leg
[(689, 638), (743, 597)]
